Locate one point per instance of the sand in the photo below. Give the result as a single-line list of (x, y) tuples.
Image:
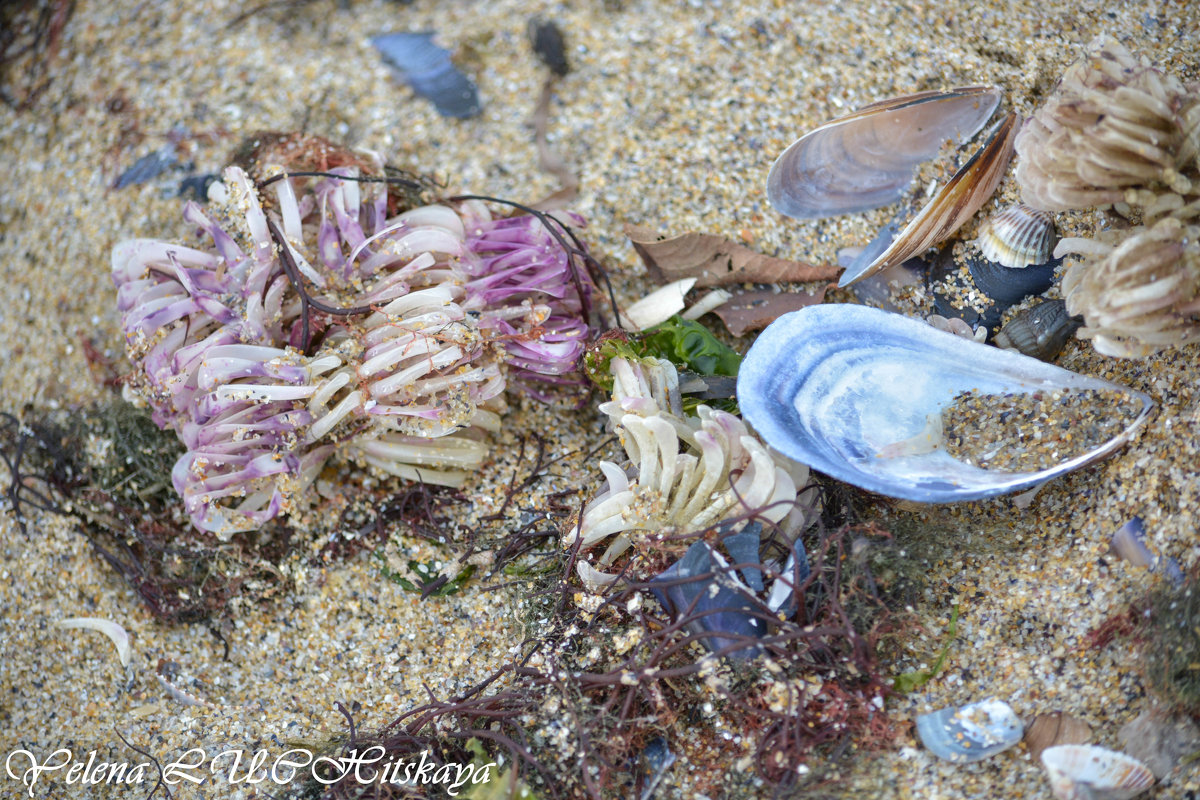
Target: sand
[(671, 116)]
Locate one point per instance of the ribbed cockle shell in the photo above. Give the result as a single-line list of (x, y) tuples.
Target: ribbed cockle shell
[(1019, 236)]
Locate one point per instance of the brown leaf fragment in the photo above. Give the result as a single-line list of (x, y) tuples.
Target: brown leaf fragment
[(715, 261), (752, 311), (1055, 728)]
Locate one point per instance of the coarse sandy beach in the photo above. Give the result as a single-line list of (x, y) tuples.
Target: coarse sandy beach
[(671, 116)]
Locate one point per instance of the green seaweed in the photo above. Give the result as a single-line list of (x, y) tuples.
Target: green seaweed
[(687, 343), (907, 681), (431, 582), (1171, 654), (504, 785)]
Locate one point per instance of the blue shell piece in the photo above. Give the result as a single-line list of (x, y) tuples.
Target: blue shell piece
[(1129, 542), (148, 167), (428, 69), (972, 732), (727, 609), (857, 393), (723, 605)]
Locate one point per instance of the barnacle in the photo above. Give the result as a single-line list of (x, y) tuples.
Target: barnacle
[(686, 474), (418, 320), (1114, 123)]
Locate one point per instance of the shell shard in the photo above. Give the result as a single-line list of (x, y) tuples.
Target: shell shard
[(839, 387), (867, 159), (1087, 772), (1055, 728), (970, 733), (427, 68), (1019, 236), (954, 204)]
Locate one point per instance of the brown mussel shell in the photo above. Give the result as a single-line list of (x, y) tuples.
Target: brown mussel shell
[(952, 206)]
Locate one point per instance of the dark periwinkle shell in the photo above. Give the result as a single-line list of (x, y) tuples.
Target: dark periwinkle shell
[(428, 69), (1040, 331)]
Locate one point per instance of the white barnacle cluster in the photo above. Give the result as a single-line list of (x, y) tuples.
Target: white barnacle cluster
[(1118, 131), (314, 323), (686, 473)]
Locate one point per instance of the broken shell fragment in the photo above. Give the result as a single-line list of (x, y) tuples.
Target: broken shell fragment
[(428, 69), (1055, 728), (1129, 544), (1019, 236), (1040, 331), (867, 159), (1087, 772), (858, 393), (970, 733), (952, 206)]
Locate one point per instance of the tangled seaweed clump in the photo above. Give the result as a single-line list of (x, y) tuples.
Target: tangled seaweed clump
[(311, 322), (1119, 131)]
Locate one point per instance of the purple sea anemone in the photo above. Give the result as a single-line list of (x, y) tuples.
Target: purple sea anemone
[(304, 321)]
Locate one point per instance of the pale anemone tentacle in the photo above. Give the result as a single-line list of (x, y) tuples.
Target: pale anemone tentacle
[(680, 476)]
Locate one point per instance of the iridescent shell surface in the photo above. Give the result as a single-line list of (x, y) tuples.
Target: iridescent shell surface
[(972, 732), (953, 205), (844, 388), (867, 159)]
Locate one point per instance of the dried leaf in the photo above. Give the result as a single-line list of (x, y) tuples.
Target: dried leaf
[(715, 261), (752, 311), (549, 159), (1053, 729)]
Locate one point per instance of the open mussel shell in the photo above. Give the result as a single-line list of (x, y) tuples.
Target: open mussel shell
[(954, 204), (845, 389), (867, 159), (1087, 772), (972, 732)]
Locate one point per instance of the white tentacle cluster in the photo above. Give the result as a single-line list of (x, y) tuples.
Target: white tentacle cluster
[(686, 473)]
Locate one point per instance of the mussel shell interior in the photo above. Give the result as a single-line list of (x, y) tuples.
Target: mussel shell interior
[(838, 386), (867, 159)]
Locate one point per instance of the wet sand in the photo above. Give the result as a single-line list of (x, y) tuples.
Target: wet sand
[(671, 116)]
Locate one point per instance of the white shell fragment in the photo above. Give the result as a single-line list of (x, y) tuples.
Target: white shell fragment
[(659, 306), (867, 159), (972, 732), (858, 393), (112, 630), (1087, 772)]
